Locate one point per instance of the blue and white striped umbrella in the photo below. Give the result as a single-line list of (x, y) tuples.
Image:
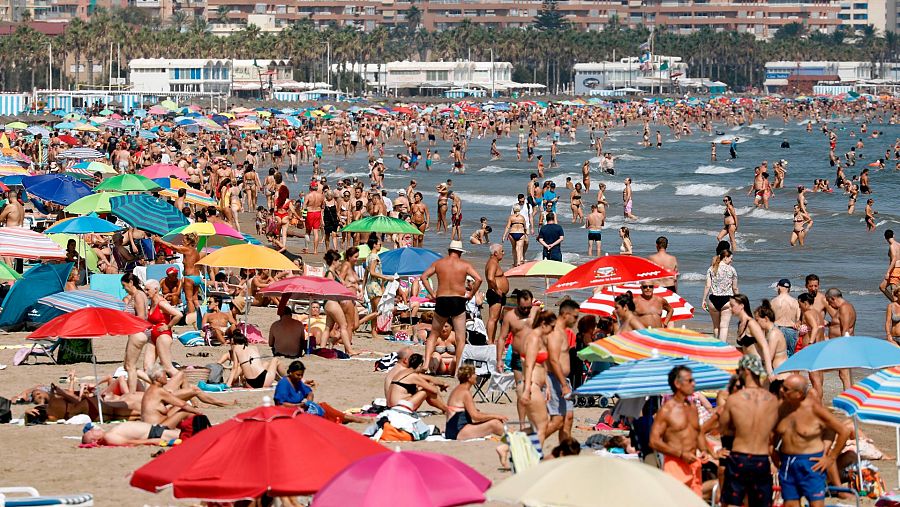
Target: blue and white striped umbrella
[(69, 301), (81, 153), (147, 213), (650, 377), (37, 129)]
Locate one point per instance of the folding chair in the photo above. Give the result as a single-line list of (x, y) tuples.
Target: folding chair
[(44, 348), (484, 359)]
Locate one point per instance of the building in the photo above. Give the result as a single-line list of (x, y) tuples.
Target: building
[(803, 76), (593, 78), (180, 75), (434, 78), (856, 14)]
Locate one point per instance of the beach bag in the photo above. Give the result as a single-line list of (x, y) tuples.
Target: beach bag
[(216, 373), (192, 339), (5, 410), (391, 434)]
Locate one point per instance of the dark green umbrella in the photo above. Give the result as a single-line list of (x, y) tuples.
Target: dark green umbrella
[(382, 224)]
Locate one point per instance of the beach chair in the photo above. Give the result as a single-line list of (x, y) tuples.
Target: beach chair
[(44, 348), (26, 496), (108, 284), (491, 385)]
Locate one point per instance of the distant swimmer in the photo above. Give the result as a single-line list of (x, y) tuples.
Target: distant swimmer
[(785, 145)]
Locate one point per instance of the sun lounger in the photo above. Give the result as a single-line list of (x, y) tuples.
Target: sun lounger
[(108, 284), (26, 496), (44, 348)]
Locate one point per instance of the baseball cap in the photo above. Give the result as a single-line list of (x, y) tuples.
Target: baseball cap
[(457, 246), (401, 192), (172, 270), (784, 282), (753, 364)]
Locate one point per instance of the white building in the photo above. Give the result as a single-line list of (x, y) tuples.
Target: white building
[(591, 78), (426, 77), (778, 73), (180, 75), (856, 14)]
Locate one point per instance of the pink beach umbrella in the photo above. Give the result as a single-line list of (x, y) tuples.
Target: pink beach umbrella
[(164, 171), (404, 479)]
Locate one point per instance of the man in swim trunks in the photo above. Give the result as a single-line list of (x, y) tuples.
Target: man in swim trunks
[(286, 335), (191, 274), (513, 331), (313, 205), (595, 221), (676, 432), (128, 433), (802, 422), (666, 260), (892, 276), (498, 286), (787, 314), (560, 405), (751, 414), (450, 297), (627, 200)]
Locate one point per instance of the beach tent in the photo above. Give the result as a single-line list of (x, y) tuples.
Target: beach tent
[(37, 282)]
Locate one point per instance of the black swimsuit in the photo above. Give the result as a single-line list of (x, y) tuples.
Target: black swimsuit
[(410, 388), (449, 306)]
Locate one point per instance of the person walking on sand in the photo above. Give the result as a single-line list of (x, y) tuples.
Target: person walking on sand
[(450, 297), (498, 286)]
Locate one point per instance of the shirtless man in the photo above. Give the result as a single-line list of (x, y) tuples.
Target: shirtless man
[(165, 408), (750, 414), (649, 307), (313, 205), (843, 323), (560, 406), (191, 274), (663, 258), (13, 214), (516, 322), (217, 321), (128, 433), (787, 314), (802, 422), (892, 277), (627, 200), (450, 298), (676, 432), (400, 372), (286, 335), (498, 286), (595, 222)]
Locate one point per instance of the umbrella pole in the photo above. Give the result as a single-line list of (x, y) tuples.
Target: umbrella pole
[(897, 439), (97, 384), (858, 458)]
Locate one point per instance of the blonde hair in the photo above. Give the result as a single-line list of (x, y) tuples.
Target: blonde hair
[(464, 373)]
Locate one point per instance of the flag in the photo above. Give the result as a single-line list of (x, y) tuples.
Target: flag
[(645, 46), (664, 66)]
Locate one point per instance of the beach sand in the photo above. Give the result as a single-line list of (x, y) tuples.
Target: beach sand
[(47, 457)]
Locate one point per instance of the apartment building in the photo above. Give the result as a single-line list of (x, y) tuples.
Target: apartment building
[(789, 76), (856, 14)]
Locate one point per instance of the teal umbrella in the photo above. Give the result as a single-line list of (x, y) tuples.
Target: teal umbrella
[(148, 213)]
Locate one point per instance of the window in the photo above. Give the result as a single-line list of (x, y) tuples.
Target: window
[(437, 75), (405, 72), (861, 16), (844, 16), (860, 6)]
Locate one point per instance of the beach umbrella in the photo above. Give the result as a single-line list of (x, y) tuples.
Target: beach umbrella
[(191, 196), (147, 213), (56, 188), (164, 171), (248, 257), (128, 183), (210, 235), (139, 113), (404, 478), (87, 252), (92, 167), (158, 110), (258, 445), (581, 481), (844, 352), (309, 287), (876, 400), (86, 127), (13, 170), (16, 125), (73, 116), (407, 261), (93, 203), (382, 224), (649, 377), (37, 129), (72, 300), (146, 134), (65, 125), (547, 268), (8, 273), (168, 105), (81, 154), (668, 342), (610, 270), (87, 224), (603, 303)]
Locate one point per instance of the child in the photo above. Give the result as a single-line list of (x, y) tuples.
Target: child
[(262, 219)]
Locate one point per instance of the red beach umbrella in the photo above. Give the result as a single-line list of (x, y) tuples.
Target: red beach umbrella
[(276, 450), (603, 303), (70, 140), (610, 270), (91, 323)]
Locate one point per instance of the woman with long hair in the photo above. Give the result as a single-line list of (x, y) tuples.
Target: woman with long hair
[(335, 311), (721, 285), (751, 337), (628, 320), (626, 247)]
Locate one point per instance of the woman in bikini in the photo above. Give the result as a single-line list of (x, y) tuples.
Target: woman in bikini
[(765, 317), (802, 224), (136, 342), (247, 363), (347, 275), (729, 228), (626, 247), (235, 205), (535, 373), (251, 187), (419, 211), (892, 319), (515, 233), (442, 207), (162, 316), (464, 420), (601, 198), (751, 337), (409, 389), (721, 284), (336, 312), (575, 204), (443, 359)]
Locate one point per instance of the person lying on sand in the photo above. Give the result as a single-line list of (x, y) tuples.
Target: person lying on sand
[(128, 433)]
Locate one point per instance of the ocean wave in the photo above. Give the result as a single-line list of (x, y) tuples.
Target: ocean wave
[(765, 132), (618, 186), (716, 169), (757, 126), (671, 229), (777, 132), (691, 276), (736, 128), (495, 169), (864, 292), (724, 139), (502, 201), (574, 258), (770, 215), (718, 209), (629, 157), (701, 189)]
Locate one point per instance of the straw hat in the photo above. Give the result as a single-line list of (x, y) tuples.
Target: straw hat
[(456, 246)]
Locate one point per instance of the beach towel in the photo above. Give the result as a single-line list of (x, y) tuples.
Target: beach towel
[(387, 362), (253, 334), (192, 339), (524, 453)]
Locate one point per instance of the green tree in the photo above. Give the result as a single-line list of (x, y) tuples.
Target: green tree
[(790, 31), (549, 18)]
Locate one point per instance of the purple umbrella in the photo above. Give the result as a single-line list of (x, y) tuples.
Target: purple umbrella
[(404, 479)]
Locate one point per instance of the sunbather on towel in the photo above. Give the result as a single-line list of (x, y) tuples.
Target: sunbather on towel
[(128, 433)]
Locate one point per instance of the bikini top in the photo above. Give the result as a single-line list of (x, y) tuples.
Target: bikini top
[(409, 388)]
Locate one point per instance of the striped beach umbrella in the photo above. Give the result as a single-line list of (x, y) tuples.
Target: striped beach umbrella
[(668, 342), (94, 167), (650, 377), (147, 213), (69, 301), (22, 243), (81, 154), (874, 399), (603, 303)]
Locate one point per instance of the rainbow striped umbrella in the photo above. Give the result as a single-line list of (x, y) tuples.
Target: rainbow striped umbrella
[(668, 342), (22, 243), (192, 196)]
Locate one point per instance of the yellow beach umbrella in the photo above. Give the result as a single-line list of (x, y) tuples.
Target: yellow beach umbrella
[(168, 104), (86, 127), (576, 481), (248, 257)]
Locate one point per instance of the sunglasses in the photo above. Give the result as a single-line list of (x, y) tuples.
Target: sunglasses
[(646, 287)]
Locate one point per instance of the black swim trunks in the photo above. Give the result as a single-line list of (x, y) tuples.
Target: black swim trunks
[(747, 475), (156, 431), (515, 361), (493, 298), (449, 306)]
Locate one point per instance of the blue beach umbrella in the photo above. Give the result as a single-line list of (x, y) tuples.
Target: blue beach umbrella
[(56, 188), (650, 377), (407, 261), (87, 224), (69, 301), (147, 213), (37, 129), (844, 352), (65, 125), (139, 113), (150, 136)]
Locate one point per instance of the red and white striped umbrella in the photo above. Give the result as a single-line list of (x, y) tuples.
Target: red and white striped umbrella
[(22, 243), (603, 302)]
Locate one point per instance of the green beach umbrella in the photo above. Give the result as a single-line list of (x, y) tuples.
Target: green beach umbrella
[(8, 273), (382, 224), (94, 203), (128, 183), (16, 125), (80, 246), (106, 112)]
